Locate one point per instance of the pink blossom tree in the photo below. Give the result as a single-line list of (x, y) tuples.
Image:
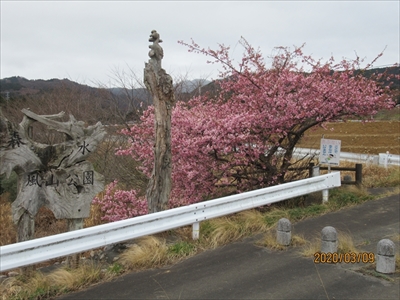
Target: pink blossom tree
[(243, 136)]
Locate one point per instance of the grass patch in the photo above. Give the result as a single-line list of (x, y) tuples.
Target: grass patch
[(44, 286), (8, 233), (297, 214), (347, 196), (345, 245), (148, 252), (221, 231), (116, 269), (272, 216), (311, 247), (269, 241), (377, 176), (181, 249)]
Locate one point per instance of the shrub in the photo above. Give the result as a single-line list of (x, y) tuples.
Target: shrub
[(119, 204)]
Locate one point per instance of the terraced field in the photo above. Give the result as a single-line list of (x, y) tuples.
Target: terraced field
[(365, 138)]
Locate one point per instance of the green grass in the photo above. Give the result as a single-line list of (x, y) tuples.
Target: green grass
[(181, 249), (347, 196), (116, 269)]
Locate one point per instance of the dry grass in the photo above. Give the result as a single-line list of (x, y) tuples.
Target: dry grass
[(395, 237), (221, 231), (345, 245), (376, 176), (149, 252), (154, 251), (8, 233), (95, 216), (42, 286), (269, 241), (225, 230), (46, 224), (311, 247)]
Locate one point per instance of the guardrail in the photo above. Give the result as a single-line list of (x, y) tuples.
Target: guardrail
[(357, 170), (381, 159), (65, 244)]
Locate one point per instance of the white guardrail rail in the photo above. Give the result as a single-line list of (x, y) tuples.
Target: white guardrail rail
[(65, 244), (383, 159)]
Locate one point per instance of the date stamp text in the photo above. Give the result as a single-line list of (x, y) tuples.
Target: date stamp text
[(347, 258)]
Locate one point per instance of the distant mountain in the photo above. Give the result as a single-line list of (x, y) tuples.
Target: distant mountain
[(188, 86), (115, 104), (20, 86)]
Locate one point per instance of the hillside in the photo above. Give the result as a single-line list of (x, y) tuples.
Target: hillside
[(14, 87), (20, 86), (108, 105)]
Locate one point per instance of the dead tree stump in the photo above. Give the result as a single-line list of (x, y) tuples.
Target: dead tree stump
[(160, 85)]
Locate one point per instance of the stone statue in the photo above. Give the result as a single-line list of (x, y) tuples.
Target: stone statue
[(156, 53)]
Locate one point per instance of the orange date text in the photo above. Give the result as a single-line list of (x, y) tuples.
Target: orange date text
[(347, 258)]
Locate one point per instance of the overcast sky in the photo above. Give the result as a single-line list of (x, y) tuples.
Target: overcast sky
[(87, 41)]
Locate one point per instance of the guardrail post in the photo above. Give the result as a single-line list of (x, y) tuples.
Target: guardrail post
[(384, 159), (196, 230), (283, 232), (315, 171), (325, 193), (385, 260), (311, 169), (329, 240), (325, 196), (359, 175)]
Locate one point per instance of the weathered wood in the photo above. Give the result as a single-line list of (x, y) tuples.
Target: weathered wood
[(55, 176), (26, 232), (74, 224), (160, 85)]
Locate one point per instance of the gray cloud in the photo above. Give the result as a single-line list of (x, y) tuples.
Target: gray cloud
[(86, 40)]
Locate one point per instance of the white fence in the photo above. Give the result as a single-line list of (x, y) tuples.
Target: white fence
[(383, 159), (43, 249)]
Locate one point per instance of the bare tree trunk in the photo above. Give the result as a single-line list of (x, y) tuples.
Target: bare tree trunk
[(159, 84), (74, 224), (26, 232)]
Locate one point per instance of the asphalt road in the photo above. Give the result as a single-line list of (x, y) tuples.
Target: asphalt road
[(243, 270)]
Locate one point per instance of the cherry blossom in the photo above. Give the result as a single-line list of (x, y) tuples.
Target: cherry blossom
[(243, 137)]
